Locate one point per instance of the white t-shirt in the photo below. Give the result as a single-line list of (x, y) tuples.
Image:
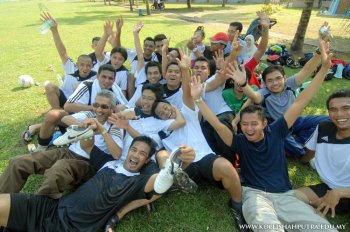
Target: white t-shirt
[(116, 134), (191, 134), (146, 125), (121, 74), (214, 99), (332, 155), (72, 81), (118, 167)]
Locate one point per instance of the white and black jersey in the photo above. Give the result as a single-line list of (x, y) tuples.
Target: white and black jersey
[(71, 82), (86, 92), (116, 134), (121, 74), (174, 97), (332, 155)]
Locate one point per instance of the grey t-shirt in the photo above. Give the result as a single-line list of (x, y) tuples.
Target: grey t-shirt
[(277, 104)]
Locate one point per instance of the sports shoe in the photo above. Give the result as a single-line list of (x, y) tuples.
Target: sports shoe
[(184, 182), (165, 177), (32, 148), (73, 134), (236, 210)]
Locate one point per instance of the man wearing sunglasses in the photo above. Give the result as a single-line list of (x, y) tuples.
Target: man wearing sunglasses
[(68, 167), (81, 100)]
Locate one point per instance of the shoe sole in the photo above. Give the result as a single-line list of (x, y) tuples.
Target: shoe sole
[(184, 182)]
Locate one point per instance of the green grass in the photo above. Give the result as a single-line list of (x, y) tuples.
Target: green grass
[(25, 51)]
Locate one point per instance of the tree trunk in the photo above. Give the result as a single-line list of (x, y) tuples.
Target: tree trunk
[(131, 9), (319, 4), (188, 4), (147, 8), (296, 47), (223, 3)]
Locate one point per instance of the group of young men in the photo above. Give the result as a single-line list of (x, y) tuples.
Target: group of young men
[(150, 131)]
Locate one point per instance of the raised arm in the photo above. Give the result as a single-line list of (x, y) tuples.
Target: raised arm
[(185, 65), (220, 77), (121, 120), (238, 74), (307, 94), (116, 37), (107, 31), (165, 50), (138, 47), (265, 24), (61, 49), (179, 121), (76, 107), (223, 131), (312, 64)]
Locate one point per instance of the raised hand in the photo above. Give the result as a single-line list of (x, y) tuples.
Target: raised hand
[(237, 73), (185, 62), (219, 59), (138, 27), (196, 87), (165, 46), (119, 23), (108, 27), (324, 32), (326, 56), (44, 16), (263, 19)]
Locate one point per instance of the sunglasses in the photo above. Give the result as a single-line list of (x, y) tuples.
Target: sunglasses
[(104, 107)]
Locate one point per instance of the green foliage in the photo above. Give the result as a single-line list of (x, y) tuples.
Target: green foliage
[(270, 9)]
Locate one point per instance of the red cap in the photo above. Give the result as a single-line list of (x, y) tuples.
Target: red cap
[(219, 37)]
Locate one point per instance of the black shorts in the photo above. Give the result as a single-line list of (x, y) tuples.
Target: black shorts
[(62, 99), (32, 213), (343, 206), (202, 171), (99, 158)]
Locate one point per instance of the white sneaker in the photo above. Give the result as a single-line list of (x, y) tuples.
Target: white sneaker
[(73, 134), (165, 178), (34, 148)]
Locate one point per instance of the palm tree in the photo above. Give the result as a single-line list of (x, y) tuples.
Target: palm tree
[(296, 47)]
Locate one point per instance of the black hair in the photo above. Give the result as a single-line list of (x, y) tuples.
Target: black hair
[(338, 94), (107, 67), (253, 109), (159, 37), (148, 39), (156, 104), (122, 52), (202, 58), (153, 64), (84, 56), (271, 69), (201, 30), (238, 26), (147, 140), (157, 89), (96, 38), (172, 63)]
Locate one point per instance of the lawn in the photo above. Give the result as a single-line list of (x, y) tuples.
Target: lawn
[(25, 51)]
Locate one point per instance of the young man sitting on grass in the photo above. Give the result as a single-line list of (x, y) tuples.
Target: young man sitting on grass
[(267, 196), (92, 204), (328, 150)]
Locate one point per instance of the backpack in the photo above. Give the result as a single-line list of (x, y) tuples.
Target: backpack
[(346, 72), (330, 74)]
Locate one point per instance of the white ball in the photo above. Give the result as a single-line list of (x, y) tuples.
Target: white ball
[(25, 81)]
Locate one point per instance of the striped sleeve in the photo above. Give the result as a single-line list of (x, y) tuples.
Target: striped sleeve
[(80, 95), (117, 135)]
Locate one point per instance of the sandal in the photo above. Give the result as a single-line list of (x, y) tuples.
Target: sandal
[(27, 136)]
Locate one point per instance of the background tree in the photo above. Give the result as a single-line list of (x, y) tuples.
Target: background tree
[(147, 8), (296, 47), (188, 4)]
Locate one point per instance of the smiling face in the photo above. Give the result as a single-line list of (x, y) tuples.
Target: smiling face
[(275, 82), (84, 65), (252, 127), (106, 79), (102, 108), (173, 76), (138, 155), (117, 60), (165, 111), (147, 100), (339, 113), (153, 74)]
